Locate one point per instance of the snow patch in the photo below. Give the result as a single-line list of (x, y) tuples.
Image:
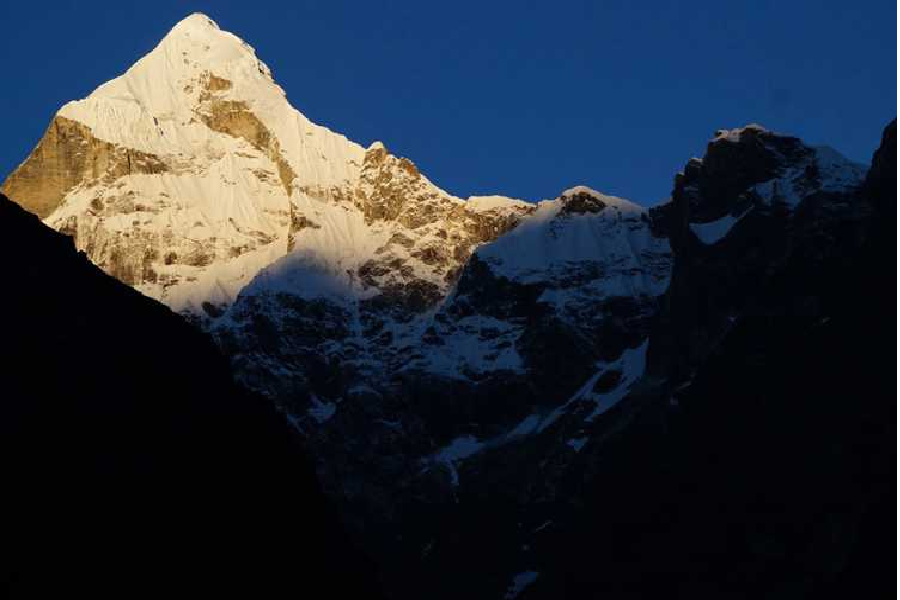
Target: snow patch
[(833, 173), (631, 365), (715, 231), (734, 135), (459, 449), (527, 426), (498, 203), (321, 411), (543, 526), (577, 444), (520, 582)]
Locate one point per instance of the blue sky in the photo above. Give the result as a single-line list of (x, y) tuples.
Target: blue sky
[(518, 98)]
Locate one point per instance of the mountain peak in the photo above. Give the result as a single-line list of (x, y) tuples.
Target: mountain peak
[(581, 189), (140, 108), (582, 198), (734, 135), (200, 39), (196, 20)]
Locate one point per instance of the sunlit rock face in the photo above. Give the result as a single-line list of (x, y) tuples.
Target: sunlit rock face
[(70, 155), (180, 177), (191, 172)]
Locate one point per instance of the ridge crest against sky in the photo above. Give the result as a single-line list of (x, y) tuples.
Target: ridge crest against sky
[(507, 97)]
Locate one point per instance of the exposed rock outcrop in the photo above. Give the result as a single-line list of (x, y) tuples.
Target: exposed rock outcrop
[(234, 118), (753, 200), (68, 156)]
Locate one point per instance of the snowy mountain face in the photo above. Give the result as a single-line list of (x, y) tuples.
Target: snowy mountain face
[(188, 174), (455, 365)]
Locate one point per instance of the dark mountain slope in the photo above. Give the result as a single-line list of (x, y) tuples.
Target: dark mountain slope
[(758, 460), (132, 464)]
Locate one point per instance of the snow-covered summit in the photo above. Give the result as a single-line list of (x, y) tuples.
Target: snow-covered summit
[(196, 20), (600, 199), (750, 168), (580, 227), (190, 172), (192, 178), (734, 135), (582, 189), (158, 105)]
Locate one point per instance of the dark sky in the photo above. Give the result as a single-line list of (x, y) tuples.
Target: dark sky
[(518, 98)]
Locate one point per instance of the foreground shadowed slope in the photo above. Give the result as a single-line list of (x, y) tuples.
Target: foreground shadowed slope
[(132, 462)]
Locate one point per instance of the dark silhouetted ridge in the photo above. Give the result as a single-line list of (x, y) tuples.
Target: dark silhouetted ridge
[(132, 463)]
